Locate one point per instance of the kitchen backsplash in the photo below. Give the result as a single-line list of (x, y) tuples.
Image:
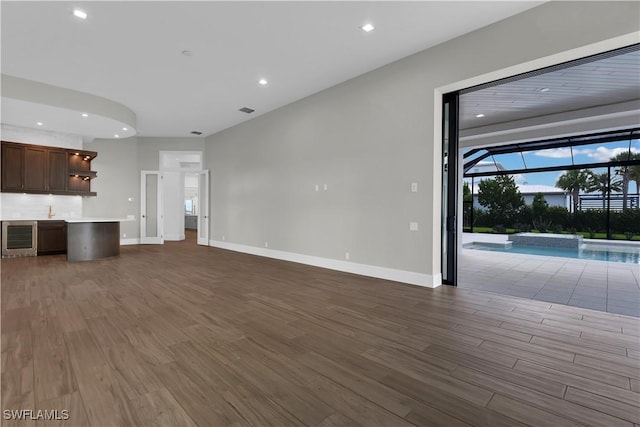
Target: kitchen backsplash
[(36, 206)]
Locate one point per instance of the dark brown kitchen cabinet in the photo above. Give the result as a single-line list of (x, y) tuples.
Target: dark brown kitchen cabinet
[(35, 169), (12, 167), (52, 237), (28, 168), (57, 170)]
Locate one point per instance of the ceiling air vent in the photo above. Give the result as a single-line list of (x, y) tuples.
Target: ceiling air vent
[(247, 110), (195, 132)]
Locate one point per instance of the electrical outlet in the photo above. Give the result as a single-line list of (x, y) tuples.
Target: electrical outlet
[(317, 187), (266, 244), (224, 237), (326, 187), (346, 255), (414, 187), (124, 235), (413, 226)]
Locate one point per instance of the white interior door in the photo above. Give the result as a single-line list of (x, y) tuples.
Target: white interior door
[(203, 212), (151, 219)]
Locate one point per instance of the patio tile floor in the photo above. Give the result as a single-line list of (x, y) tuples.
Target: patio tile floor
[(599, 285)]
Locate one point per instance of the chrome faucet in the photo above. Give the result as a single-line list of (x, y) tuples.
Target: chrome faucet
[(51, 214)]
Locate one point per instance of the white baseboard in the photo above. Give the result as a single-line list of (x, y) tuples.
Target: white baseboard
[(125, 242), (174, 237), (410, 277)]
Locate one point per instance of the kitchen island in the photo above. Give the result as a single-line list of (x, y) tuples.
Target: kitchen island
[(81, 239), (90, 239)]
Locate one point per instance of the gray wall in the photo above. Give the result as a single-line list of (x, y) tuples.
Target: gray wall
[(118, 164), (118, 180), (370, 137)]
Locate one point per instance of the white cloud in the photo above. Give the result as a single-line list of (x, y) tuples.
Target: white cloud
[(599, 154), (556, 153), (603, 154)]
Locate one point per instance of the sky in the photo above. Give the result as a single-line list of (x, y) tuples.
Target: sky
[(594, 153)]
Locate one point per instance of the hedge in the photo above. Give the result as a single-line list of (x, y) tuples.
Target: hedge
[(558, 218)]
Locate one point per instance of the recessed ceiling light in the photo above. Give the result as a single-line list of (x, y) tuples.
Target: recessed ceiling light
[(479, 115), (40, 123), (263, 82), (125, 129), (367, 28), (247, 110), (79, 14), (116, 135), (545, 89), (85, 115)]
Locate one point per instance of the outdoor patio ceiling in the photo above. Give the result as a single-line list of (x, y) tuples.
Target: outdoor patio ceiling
[(604, 79)]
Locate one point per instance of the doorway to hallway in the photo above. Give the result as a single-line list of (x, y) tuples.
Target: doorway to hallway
[(175, 199)]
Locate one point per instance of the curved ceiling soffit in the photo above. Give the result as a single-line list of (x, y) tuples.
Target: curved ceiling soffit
[(26, 102)]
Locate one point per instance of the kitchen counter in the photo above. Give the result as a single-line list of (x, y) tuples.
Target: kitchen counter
[(74, 220), (90, 239)]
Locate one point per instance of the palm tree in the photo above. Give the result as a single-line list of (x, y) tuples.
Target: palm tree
[(626, 172), (573, 181), (599, 182)]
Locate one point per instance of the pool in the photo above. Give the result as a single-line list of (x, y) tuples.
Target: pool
[(599, 252)]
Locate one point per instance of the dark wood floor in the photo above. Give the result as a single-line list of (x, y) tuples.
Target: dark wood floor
[(181, 335)]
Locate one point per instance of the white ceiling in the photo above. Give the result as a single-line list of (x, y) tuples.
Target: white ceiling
[(131, 52)]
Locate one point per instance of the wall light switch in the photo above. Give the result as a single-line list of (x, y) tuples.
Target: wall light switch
[(413, 226), (414, 187), (326, 187), (130, 199), (317, 187)]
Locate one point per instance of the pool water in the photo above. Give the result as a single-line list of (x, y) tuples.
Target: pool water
[(629, 255)]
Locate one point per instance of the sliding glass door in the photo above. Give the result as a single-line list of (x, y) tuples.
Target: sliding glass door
[(449, 188)]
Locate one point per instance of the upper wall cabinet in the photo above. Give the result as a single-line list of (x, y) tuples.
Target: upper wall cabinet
[(36, 169), (12, 167), (57, 168)]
